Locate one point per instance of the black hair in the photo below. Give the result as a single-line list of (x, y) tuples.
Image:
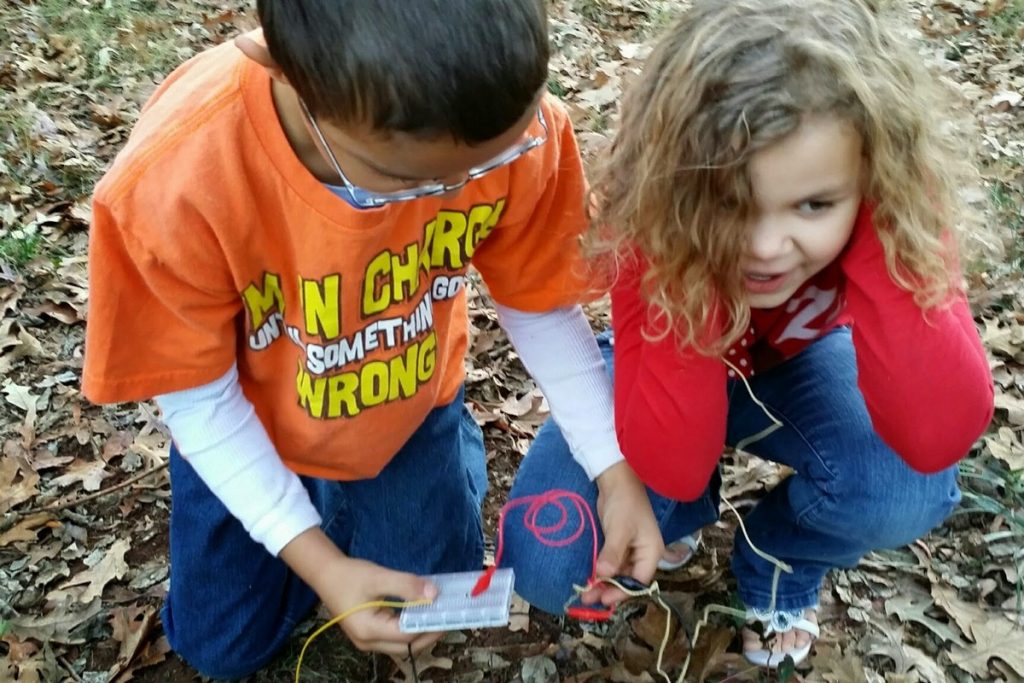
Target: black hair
[(464, 68)]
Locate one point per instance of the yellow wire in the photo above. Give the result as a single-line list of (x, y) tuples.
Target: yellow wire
[(653, 591), (345, 615)]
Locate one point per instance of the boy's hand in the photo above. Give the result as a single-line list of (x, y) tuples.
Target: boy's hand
[(354, 582), (343, 583), (632, 540)]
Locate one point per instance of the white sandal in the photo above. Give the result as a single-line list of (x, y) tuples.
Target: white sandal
[(690, 541), (781, 621)]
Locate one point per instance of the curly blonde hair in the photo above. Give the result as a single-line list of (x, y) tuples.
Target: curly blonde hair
[(733, 77)]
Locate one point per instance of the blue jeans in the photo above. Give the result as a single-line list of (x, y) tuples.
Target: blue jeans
[(850, 493), (232, 605)]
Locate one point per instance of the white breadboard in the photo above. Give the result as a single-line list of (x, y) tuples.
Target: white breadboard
[(455, 609)]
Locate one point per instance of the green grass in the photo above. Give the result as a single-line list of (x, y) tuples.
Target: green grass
[(662, 16), (1007, 23), (16, 251), (329, 658), (990, 487), (138, 34), (1006, 201), (556, 89), (103, 47)]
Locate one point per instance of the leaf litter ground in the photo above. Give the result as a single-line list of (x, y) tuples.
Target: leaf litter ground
[(84, 493)]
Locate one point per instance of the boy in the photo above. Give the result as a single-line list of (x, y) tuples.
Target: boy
[(278, 257)]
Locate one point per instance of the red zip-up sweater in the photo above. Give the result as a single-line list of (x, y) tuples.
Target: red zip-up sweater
[(924, 375)]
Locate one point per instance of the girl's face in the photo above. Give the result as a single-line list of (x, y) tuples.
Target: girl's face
[(807, 191)]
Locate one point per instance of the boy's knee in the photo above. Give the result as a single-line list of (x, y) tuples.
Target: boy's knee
[(221, 668), (212, 663), (213, 652)]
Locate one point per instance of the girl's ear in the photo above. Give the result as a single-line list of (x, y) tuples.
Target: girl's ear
[(258, 52)]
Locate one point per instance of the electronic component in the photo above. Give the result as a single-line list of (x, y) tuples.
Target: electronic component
[(455, 608)]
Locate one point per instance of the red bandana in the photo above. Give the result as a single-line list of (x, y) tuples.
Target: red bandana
[(776, 334)]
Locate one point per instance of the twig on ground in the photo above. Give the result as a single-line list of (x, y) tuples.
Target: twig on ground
[(66, 665), (99, 494)]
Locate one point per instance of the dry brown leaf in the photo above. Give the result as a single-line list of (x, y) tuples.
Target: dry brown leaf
[(1013, 406), (995, 638), (1008, 674), (709, 654), (519, 615), (19, 650), (131, 627), (110, 568), (21, 397), (748, 474), (26, 529), (965, 614), (910, 604), (41, 667), (926, 668), (539, 669), (61, 311), (620, 674), (640, 640), (89, 473), (836, 666), (1006, 446), (424, 661), (57, 625), (18, 482)]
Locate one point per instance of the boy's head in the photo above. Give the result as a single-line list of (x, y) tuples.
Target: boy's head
[(466, 70)]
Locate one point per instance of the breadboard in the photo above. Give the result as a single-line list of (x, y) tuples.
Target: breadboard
[(455, 609)]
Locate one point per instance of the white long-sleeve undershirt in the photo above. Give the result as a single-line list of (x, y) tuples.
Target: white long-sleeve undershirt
[(218, 432)]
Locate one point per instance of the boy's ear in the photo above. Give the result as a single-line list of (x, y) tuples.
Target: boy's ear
[(259, 53)]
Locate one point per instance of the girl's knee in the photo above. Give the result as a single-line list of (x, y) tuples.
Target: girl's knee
[(898, 512), (546, 593), (545, 575)]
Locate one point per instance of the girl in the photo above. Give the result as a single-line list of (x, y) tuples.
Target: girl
[(780, 204)]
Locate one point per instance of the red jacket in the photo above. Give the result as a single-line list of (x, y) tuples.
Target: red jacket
[(924, 375)]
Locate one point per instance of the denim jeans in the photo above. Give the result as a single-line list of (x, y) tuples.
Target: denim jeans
[(232, 605), (850, 493)]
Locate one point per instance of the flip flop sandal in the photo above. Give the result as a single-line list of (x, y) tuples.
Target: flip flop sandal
[(691, 541), (781, 621)]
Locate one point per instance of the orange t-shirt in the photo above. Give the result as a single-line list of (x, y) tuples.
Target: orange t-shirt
[(212, 244)]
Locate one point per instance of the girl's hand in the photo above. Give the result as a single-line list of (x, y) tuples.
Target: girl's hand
[(344, 583), (632, 540)]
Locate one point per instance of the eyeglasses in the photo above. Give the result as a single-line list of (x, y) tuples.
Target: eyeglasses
[(369, 199)]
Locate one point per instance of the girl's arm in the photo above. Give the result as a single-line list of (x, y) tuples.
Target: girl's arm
[(670, 405), (924, 374)]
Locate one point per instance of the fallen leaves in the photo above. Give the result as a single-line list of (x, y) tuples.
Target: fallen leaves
[(995, 638), (912, 604), (1006, 446), (26, 529), (109, 568), (72, 104), (60, 625), (18, 482), (132, 627)]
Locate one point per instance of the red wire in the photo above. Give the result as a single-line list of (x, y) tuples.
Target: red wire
[(536, 504)]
